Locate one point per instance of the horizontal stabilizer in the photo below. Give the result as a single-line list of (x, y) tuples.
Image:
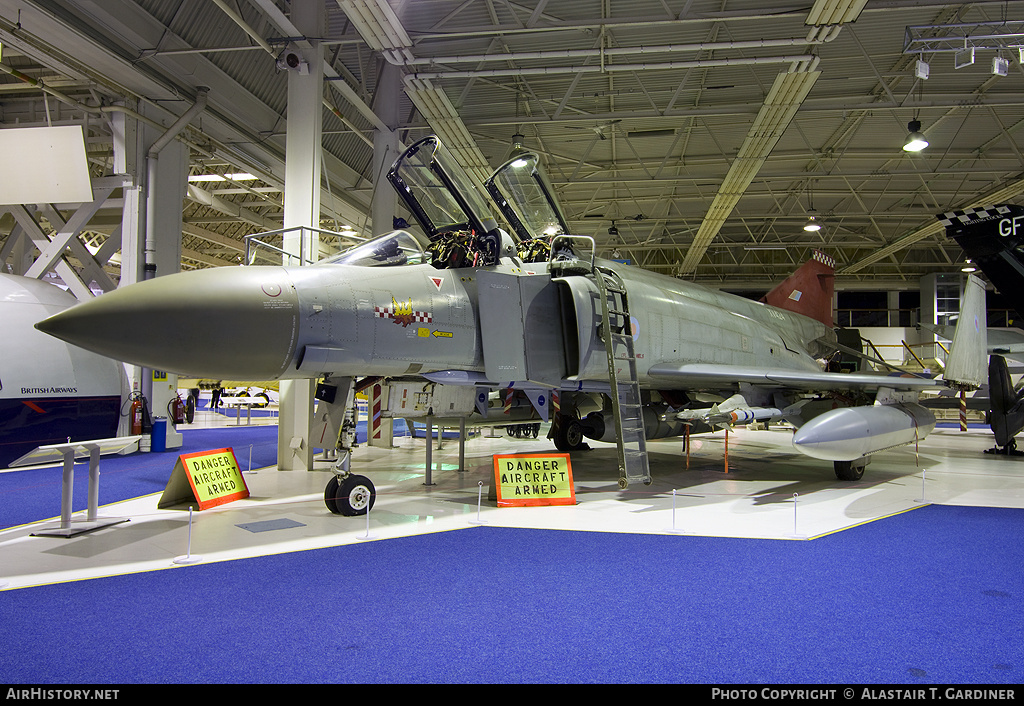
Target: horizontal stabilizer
[(808, 291)]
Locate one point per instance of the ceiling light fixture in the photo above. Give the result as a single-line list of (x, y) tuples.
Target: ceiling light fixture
[(239, 176), (915, 140), (964, 57), (812, 225)]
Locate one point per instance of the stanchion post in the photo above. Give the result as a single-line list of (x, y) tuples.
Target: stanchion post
[(367, 535), (479, 502), (795, 535), (188, 558), (674, 529), (430, 460)]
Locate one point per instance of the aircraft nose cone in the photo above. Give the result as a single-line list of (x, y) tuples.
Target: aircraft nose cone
[(234, 323)]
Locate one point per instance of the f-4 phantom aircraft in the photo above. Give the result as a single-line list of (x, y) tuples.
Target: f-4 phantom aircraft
[(604, 350)]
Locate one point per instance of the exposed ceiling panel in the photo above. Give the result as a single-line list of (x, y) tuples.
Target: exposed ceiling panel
[(656, 119)]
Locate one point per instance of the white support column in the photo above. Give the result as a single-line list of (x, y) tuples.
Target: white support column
[(152, 202), (302, 209), (168, 176), (892, 304), (127, 137), (385, 148), (384, 200)]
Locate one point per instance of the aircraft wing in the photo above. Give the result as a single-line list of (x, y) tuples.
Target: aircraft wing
[(704, 375), (1000, 340)]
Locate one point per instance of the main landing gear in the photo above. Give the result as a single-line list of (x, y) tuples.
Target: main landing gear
[(350, 495), (850, 470), (568, 434)]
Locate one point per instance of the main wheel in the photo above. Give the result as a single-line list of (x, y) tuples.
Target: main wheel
[(568, 434), (850, 470), (355, 496)]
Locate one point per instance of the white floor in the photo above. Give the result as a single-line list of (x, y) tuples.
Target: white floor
[(768, 491)]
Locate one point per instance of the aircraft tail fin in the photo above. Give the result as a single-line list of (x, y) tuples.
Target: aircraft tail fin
[(809, 290), (1006, 417), (965, 366), (992, 237)]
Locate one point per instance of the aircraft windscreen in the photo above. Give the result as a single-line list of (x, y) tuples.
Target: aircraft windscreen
[(389, 250), (523, 188)]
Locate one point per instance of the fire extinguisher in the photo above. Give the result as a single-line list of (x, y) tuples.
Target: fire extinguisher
[(176, 408), (135, 414)]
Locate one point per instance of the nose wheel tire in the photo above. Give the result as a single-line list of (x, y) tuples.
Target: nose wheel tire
[(350, 497)]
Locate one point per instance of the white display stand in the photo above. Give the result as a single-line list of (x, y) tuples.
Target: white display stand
[(69, 452)]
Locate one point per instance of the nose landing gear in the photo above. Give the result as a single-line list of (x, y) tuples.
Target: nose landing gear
[(351, 495)]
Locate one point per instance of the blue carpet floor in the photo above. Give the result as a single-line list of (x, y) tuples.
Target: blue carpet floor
[(35, 494), (929, 596), (926, 597)]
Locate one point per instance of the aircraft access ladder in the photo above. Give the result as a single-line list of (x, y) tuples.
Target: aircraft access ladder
[(624, 388)]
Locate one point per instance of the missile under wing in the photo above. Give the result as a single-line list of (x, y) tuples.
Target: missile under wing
[(604, 350)]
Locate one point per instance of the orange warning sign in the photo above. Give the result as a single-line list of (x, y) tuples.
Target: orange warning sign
[(211, 478), (526, 480)]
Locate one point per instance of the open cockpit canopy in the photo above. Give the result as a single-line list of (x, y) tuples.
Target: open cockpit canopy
[(438, 191), (521, 190)]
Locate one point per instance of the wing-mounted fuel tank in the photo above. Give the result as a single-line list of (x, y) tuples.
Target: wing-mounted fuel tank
[(852, 433)]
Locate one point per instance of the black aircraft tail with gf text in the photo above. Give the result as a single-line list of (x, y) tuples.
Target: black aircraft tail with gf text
[(993, 238)]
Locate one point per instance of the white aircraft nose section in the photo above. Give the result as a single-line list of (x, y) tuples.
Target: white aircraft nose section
[(237, 323)]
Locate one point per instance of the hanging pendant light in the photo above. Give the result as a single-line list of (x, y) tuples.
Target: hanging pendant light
[(915, 140)]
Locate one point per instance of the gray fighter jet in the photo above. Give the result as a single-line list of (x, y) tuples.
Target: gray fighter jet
[(604, 350)]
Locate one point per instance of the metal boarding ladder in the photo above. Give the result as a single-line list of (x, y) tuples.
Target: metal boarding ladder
[(617, 334), (627, 409)]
